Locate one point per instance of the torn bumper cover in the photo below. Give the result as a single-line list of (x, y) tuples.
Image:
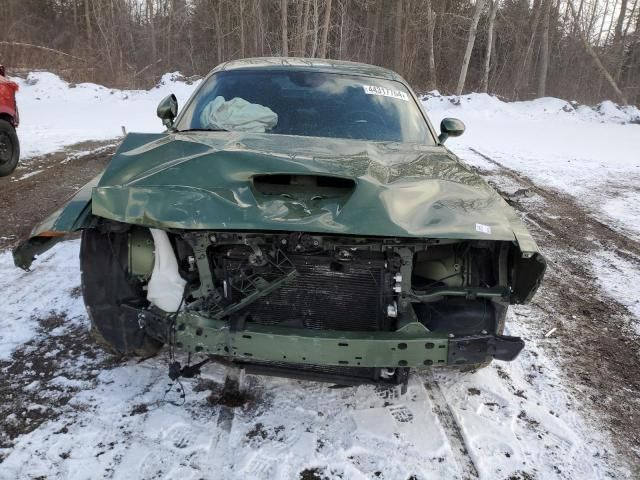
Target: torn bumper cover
[(411, 346)]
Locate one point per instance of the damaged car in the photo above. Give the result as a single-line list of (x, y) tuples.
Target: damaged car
[(299, 218)]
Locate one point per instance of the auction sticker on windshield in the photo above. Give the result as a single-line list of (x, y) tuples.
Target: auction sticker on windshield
[(385, 92)]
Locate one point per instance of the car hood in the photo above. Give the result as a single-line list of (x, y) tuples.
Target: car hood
[(211, 180)]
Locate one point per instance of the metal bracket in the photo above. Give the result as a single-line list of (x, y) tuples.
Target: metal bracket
[(479, 348)]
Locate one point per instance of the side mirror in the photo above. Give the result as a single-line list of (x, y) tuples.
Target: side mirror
[(168, 110), (2, 72), (450, 127)]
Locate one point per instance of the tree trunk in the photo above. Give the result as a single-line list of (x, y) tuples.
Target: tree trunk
[(431, 25), (470, 41), (523, 72), (325, 30), (544, 53), (305, 28), (152, 28), (618, 40), (397, 38), (218, 29), (285, 34), (487, 58), (316, 26), (604, 16), (256, 29), (299, 13), (343, 15), (596, 60), (374, 33), (241, 21), (88, 23)]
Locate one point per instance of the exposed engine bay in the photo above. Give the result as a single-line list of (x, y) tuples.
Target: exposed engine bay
[(329, 283)]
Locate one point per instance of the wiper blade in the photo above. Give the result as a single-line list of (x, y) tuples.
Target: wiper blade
[(204, 130)]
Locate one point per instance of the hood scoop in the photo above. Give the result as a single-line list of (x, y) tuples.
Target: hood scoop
[(303, 187)]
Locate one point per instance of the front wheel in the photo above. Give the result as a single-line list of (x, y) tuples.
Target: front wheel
[(9, 148), (106, 285)]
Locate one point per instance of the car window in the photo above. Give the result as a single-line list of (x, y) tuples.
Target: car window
[(307, 104)]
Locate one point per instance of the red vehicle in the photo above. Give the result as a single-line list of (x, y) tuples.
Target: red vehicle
[(9, 119)]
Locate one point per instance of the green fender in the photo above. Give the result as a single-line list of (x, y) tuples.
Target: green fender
[(73, 216)]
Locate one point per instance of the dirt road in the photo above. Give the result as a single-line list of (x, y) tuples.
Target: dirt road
[(41, 184), (67, 407)]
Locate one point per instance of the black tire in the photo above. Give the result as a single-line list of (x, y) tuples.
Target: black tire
[(9, 148), (105, 286)]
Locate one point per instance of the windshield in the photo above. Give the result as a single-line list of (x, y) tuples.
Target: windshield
[(307, 104)]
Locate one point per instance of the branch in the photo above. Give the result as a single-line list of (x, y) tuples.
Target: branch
[(605, 73), (40, 47)]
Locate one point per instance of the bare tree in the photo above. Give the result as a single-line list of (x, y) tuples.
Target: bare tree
[(315, 29), (484, 86), (618, 39), (285, 35), (325, 29), (471, 39), (523, 73), (87, 20), (544, 50), (305, 28), (397, 38), (129, 43), (374, 32), (241, 22), (299, 34), (596, 59), (431, 26)]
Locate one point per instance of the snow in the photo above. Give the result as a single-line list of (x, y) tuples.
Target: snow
[(617, 276), (54, 114), (43, 292)]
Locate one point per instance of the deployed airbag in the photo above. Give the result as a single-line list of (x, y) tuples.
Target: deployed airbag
[(238, 115)]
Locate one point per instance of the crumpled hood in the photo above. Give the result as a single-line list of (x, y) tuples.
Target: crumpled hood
[(205, 180)]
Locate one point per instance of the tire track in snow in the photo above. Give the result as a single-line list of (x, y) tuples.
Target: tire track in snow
[(451, 427)]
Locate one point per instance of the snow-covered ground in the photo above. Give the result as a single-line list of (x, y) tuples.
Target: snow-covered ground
[(54, 113), (515, 420)]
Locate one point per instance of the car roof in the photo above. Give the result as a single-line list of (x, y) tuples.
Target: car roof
[(314, 64)]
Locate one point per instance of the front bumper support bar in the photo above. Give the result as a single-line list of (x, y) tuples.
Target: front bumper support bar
[(410, 346)]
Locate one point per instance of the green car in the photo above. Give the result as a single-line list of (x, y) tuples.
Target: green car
[(299, 218)]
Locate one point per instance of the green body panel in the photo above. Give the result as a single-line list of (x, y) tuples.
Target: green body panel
[(204, 180), (411, 346), (72, 216)]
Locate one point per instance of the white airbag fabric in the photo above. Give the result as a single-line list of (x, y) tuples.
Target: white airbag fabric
[(238, 115), (166, 286)]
